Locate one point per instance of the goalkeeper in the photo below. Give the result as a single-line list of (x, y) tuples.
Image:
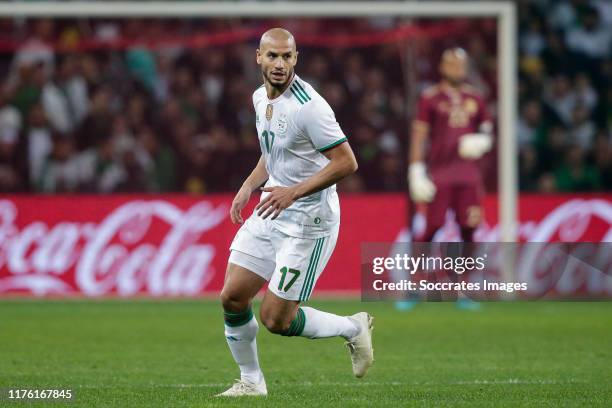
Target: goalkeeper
[(451, 131)]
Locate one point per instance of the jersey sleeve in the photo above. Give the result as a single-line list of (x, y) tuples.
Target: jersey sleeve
[(255, 97), (319, 124)]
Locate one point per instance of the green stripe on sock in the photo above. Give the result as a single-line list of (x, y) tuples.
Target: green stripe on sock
[(303, 90), (233, 319), (314, 270), (297, 325), (299, 98), (309, 270), (289, 332), (300, 328)]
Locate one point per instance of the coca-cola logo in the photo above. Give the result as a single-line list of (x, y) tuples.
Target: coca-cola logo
[(114, 256)]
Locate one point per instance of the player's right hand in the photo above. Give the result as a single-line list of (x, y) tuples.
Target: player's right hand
[(422, 189), (240, 201)]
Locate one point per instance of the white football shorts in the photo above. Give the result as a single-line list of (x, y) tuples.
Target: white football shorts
[(291, 265)]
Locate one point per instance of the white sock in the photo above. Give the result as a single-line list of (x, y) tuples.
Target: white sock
[(243, 345), (322, 324)]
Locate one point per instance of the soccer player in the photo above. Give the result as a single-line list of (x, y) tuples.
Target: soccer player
[(290, 236), (452, 119), (451, 131)]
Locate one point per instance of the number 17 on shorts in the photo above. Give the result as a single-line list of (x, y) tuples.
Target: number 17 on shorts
[(299, 263)]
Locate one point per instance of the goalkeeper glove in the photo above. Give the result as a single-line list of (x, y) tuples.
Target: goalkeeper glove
[(473, 145), (422, 189)]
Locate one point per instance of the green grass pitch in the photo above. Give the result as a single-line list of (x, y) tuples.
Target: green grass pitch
[(144, 353)]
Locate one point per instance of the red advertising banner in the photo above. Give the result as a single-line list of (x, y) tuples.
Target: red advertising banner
[(131, 245)]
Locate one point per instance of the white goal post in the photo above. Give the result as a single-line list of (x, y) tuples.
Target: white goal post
[(503, 11)]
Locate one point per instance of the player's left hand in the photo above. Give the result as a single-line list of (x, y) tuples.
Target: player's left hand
[(278, 199), (473, 146)]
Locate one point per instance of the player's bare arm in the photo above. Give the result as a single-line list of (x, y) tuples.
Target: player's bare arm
[(418, 141), (342, 163), (257, 177)]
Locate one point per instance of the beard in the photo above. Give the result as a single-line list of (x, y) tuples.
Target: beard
[(275, 84)]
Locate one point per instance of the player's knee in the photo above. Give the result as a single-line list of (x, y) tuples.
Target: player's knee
[(275, 323), (232, 302), (276, 326)]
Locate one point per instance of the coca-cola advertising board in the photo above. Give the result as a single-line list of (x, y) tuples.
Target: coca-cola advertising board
[(127, 245)]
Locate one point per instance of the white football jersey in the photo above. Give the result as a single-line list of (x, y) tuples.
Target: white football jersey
[(293, 130)]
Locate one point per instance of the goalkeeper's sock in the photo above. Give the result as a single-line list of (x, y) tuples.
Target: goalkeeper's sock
[(241, 332), (315, 324)]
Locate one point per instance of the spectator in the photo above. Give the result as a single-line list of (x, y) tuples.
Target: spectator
[(582, 131), (591, 38), (36, 49), (39, 143), (391, 172), (602, 153), (575, 175), (552, 148), (55, 103), (161, 163), (97, 124), (561, 98), (532, 40), (100, 171), (530, 125), (585, 94), (60, 171), (13, 174), (528, 169), (75, 87)]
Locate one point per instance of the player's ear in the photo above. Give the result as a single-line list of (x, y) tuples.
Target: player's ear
[(258, 56), (295, 58)]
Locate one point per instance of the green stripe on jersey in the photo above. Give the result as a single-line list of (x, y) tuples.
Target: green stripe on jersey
[(329, 146), (297, 96), (305, 97), (303, 91)]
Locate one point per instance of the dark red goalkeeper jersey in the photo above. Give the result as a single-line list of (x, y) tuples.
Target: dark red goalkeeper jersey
[(449, 113)]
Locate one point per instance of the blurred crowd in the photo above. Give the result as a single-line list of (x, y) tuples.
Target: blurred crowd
[(565, 95), (174, 117), (179, 118)]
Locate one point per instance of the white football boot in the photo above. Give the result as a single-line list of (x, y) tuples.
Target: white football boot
[(360, 346), (242, 388)]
